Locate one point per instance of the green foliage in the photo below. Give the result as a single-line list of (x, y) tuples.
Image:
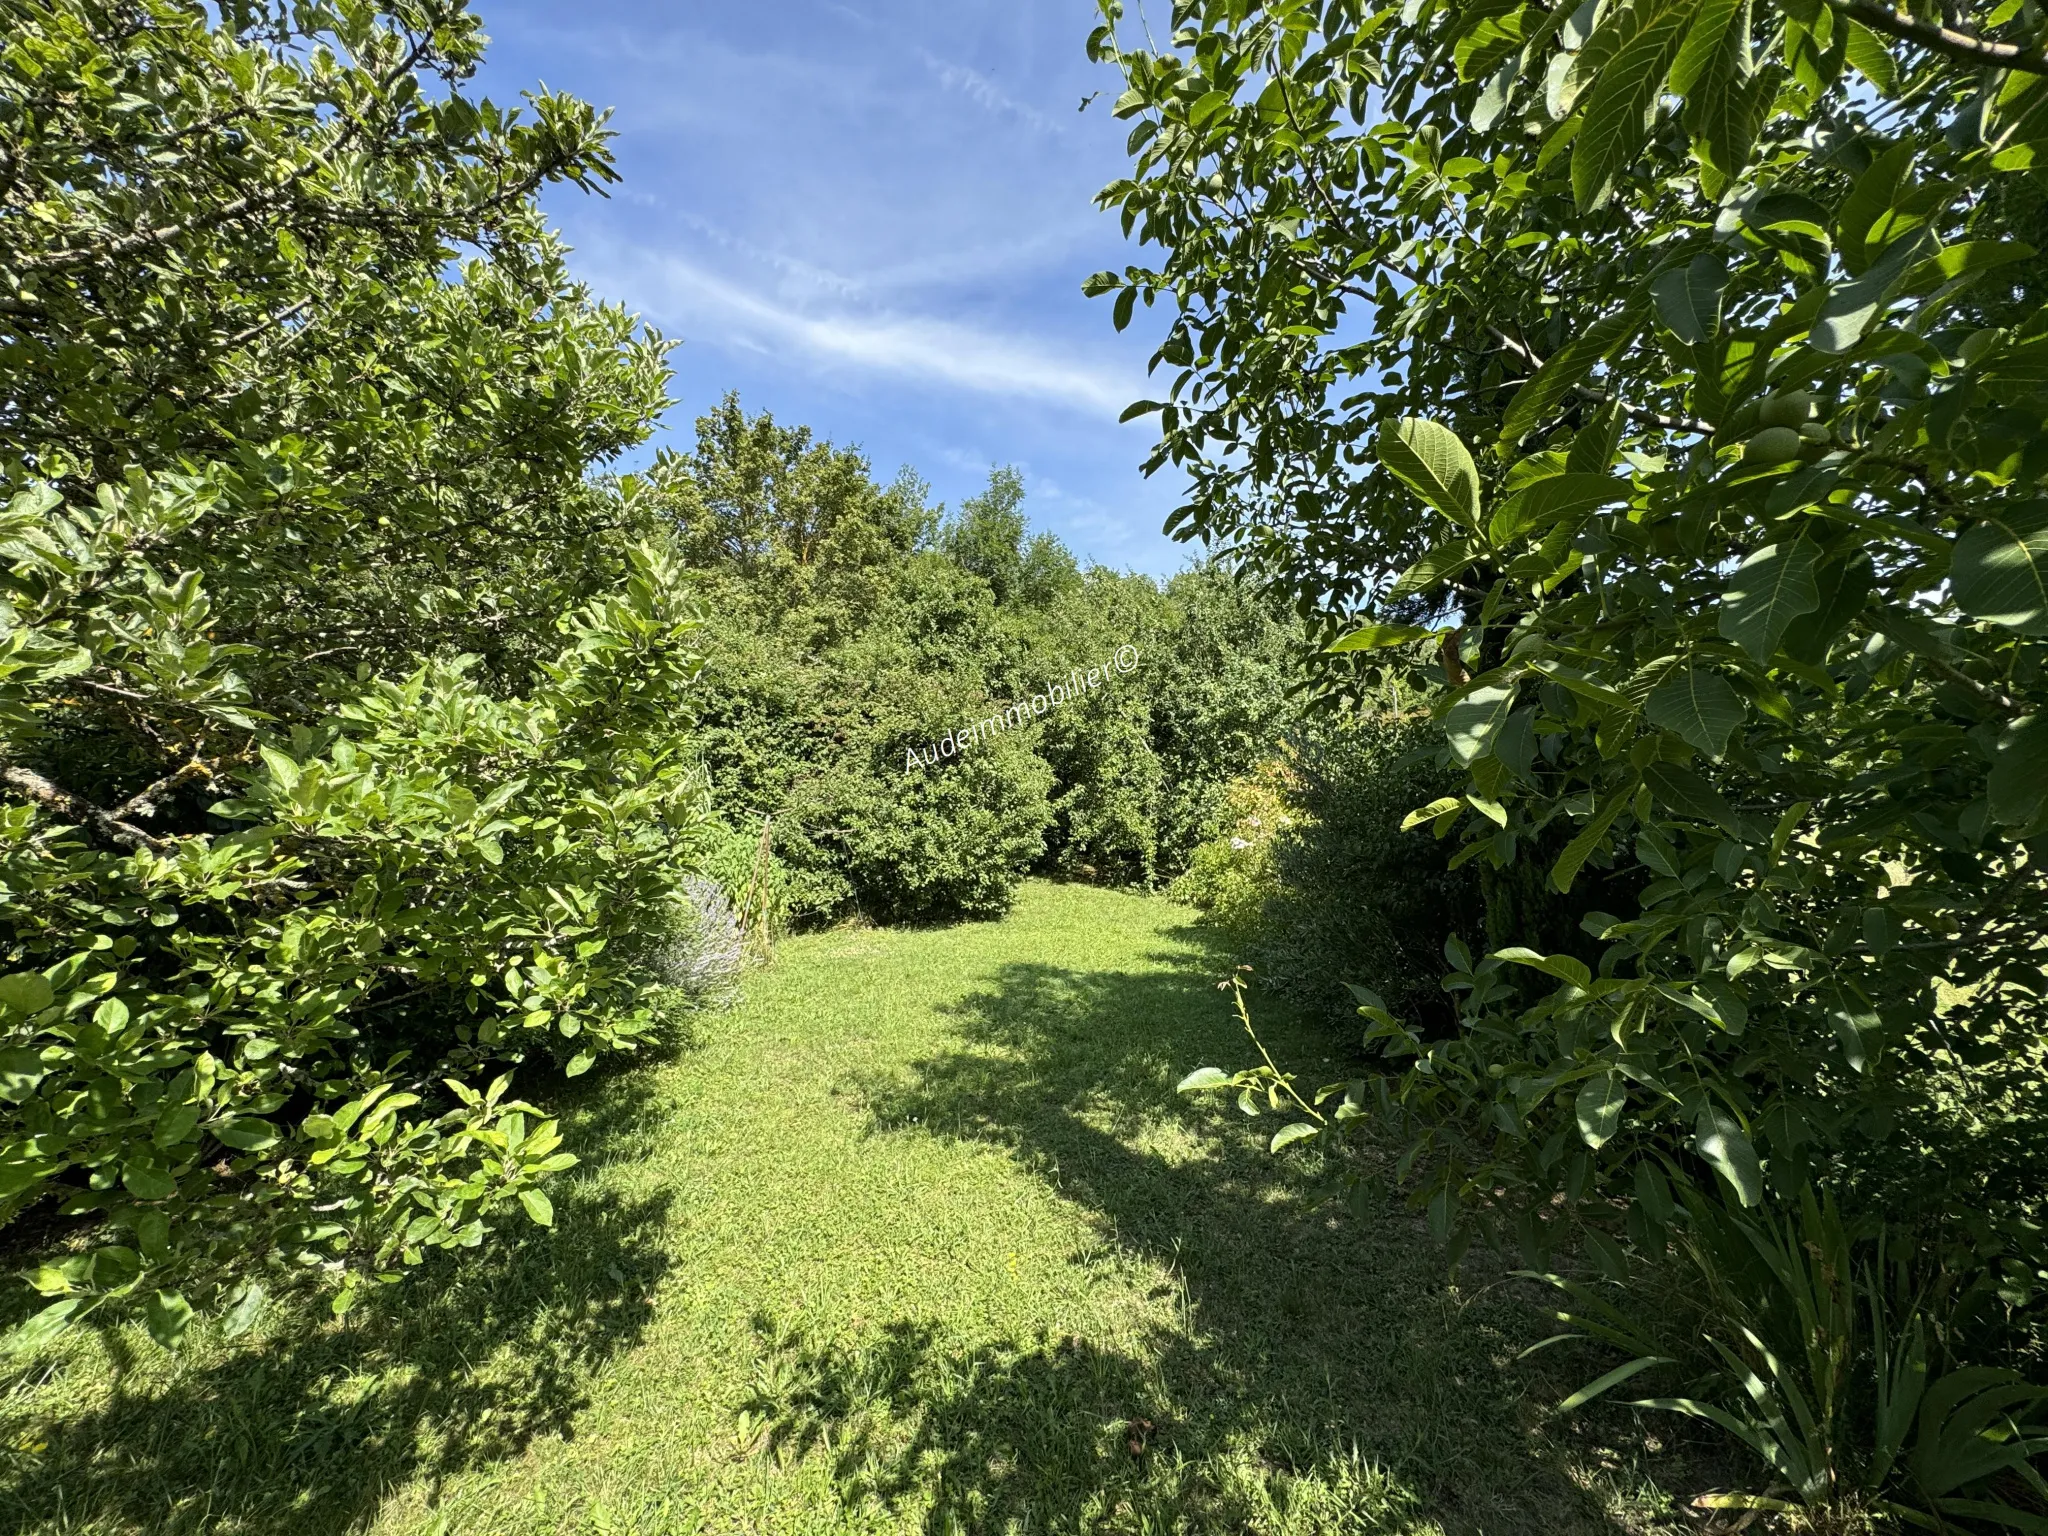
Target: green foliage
[(1318, 885), (944, 841), (1106, 819), (786, 511), (1231, 876), (855, 630), (1817, 1357), (987, 539), (1362, 901), (744, 865), (1220, 681), (336, 707), (1733, 612), (842, 644)]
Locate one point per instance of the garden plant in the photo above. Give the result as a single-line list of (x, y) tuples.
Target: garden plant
[(375, 754), (1657, 386), (340, 792)]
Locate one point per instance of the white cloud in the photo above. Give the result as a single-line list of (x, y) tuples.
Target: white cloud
[(683, 297), (968, 461), (979, 89)]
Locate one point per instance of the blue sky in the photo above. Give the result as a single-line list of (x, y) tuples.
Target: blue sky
[(871, 218)]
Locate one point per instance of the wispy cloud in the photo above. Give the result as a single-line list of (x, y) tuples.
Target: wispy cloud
[(982, 91), (872, 217), (685, 297), (936, 265)]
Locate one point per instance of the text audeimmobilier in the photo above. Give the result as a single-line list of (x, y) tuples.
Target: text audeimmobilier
[(1077, 683)]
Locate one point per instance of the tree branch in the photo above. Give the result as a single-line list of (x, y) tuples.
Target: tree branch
[(1893, 628), (249, 335), (1950, 42), (144, 803), (2010, 707), (79, 809)]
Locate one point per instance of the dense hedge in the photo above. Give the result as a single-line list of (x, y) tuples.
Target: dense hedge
[(1317, 885), (337, 697), (853, 627)]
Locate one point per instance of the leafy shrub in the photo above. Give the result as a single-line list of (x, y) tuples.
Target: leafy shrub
[(336, 699), (945, 841), (1221, 675), (1231, 877), (1319, 884), (1363, 899), (1657, 390), (851, 624), (1739, 601), (1105, 790), (753, 879)]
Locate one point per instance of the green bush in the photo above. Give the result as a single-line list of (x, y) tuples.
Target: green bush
[(1222, 677), (1320, 887), (754, 878), (1362, 900), (1657, 391), (943, 841), (850, 624), (336, 701), (1231, 877), (1105, 790)]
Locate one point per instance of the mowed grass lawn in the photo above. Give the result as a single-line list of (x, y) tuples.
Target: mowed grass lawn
[(918, 1238)]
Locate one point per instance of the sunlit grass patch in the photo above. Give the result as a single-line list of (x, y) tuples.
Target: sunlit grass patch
[(919, 1238)]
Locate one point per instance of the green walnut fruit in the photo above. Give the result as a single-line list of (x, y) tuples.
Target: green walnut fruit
[(1790, 409), (1740, 423), (1773, 445)]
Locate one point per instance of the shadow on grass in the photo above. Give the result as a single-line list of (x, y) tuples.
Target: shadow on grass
[(1058, 1436), (1326, 1375), (306, 1429)]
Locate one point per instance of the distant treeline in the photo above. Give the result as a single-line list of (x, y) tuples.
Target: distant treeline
[(852, 627)]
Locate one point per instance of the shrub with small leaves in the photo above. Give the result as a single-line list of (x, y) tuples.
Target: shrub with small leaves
[(337, 699), (702, 957)]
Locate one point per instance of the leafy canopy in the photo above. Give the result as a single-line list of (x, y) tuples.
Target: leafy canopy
[(336, 701), (1660, 385)]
